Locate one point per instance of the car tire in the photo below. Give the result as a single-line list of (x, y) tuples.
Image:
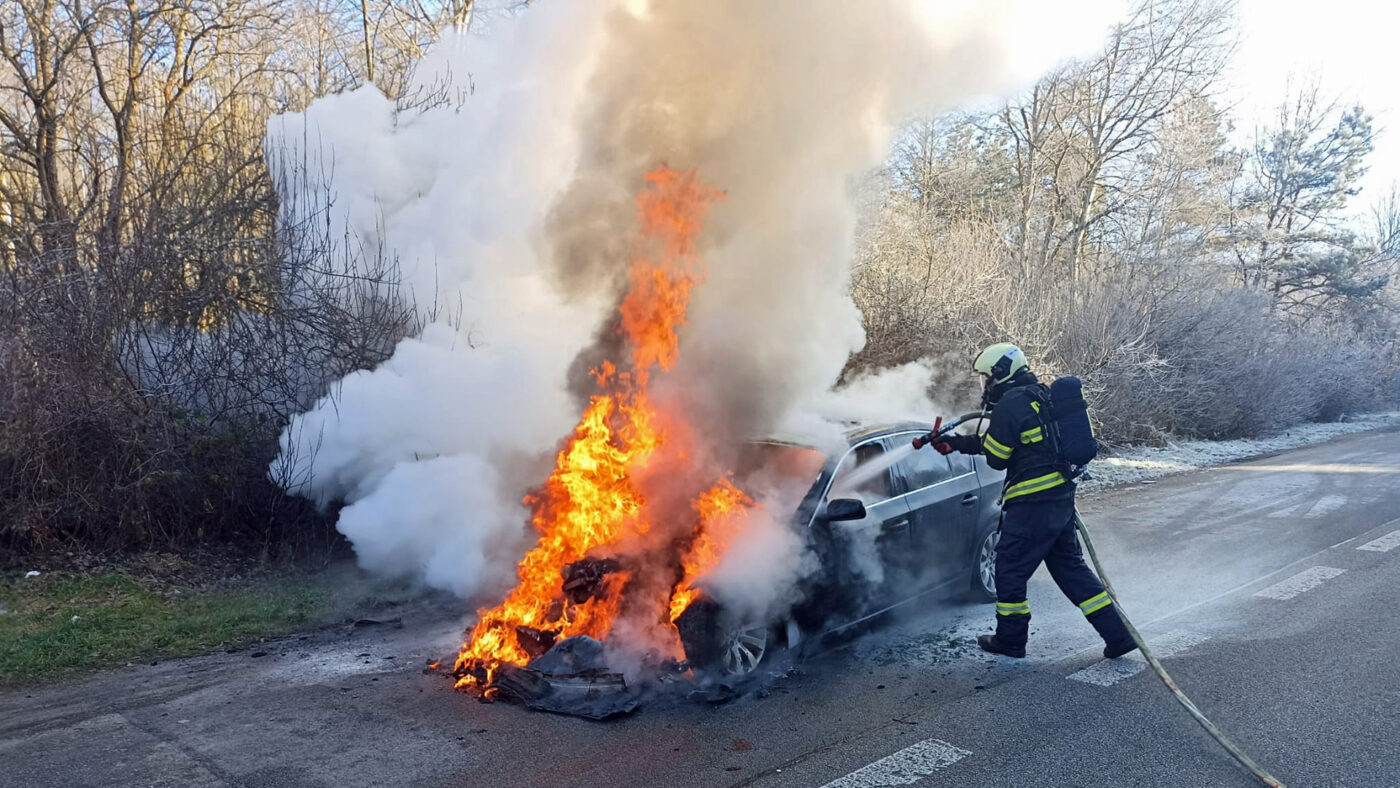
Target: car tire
[(719, 647), (984, 561)]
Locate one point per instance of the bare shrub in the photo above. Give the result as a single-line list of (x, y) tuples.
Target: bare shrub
[(1161, 356), (122, 427)]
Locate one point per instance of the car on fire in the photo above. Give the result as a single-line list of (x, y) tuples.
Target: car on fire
[(888, 526)]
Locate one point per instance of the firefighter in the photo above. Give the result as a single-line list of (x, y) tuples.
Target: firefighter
[(1037, 507)]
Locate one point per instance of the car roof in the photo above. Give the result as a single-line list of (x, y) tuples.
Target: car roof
[(855, 433), (868, 432)]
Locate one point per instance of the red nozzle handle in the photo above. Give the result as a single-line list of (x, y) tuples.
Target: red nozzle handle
[(924, 440)]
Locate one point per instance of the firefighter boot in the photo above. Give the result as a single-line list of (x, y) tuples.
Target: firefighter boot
[(1013, 627), (1116, 650), (989, 643), (1117, 641)]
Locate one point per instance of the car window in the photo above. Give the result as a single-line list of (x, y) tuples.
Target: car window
[(862, 475), (925, 467), (962, 463)]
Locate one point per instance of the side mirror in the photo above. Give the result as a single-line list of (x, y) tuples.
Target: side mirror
[(845, 509)]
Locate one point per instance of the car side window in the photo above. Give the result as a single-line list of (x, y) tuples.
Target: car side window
[(926, 467), (962, 463), (861, 475)]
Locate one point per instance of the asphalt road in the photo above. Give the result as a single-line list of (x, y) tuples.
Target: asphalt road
[(1270, 587)]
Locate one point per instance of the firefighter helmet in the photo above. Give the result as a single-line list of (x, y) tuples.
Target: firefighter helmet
[(1000, 362)]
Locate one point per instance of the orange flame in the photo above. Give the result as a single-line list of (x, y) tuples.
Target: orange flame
[(721, 509), (592, 499)]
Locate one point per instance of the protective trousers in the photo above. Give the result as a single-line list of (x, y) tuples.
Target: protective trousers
[(1036, 531)]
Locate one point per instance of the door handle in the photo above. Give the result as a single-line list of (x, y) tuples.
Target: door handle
[(969, 499), (897, 525)]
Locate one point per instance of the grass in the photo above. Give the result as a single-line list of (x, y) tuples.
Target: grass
[(64, 623)]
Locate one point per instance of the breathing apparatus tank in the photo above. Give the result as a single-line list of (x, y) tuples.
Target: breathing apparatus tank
[(1070, 417)]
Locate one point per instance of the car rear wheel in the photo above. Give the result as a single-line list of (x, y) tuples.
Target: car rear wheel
[(984, 569), (744, 650)]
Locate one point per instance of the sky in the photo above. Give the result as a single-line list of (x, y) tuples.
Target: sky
[(1349, 46)]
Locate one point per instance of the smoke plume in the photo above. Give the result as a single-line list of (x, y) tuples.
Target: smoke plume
[(509, 208)]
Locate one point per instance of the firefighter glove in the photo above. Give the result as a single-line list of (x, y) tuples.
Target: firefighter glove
[(967, 444)]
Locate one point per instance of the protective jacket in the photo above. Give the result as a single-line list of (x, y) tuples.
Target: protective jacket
[(1016, 443)]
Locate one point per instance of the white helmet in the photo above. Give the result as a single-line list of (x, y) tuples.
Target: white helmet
[(1000, 362)]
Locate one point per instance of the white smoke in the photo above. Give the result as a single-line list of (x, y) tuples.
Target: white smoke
[(758, 576), (757, 579), (510, 207), (427, 539)]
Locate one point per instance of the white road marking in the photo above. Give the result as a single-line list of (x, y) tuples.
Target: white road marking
[(1306, 580), (906, 767), (1384, 544), (1107, 672), (1321, 507), (1326, 505)]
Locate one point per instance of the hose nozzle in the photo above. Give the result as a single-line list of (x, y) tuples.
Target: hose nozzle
[(924, 440)]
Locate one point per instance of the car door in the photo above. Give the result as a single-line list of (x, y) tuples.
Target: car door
[(944, 499), (883, 538), (991, 482)]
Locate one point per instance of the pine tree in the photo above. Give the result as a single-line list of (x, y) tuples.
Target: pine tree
[(1290, 235)]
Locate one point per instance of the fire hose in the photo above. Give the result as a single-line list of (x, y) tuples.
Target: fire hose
[(1210, 727), (940, 429)]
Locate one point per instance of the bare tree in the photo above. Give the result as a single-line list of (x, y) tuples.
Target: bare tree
[(150, 340), (368, 39), (1040, 148), (1166, 53), (41, 43), (1385, 218)]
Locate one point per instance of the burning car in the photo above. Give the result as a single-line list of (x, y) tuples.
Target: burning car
[(928, 522), (887, 526)]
